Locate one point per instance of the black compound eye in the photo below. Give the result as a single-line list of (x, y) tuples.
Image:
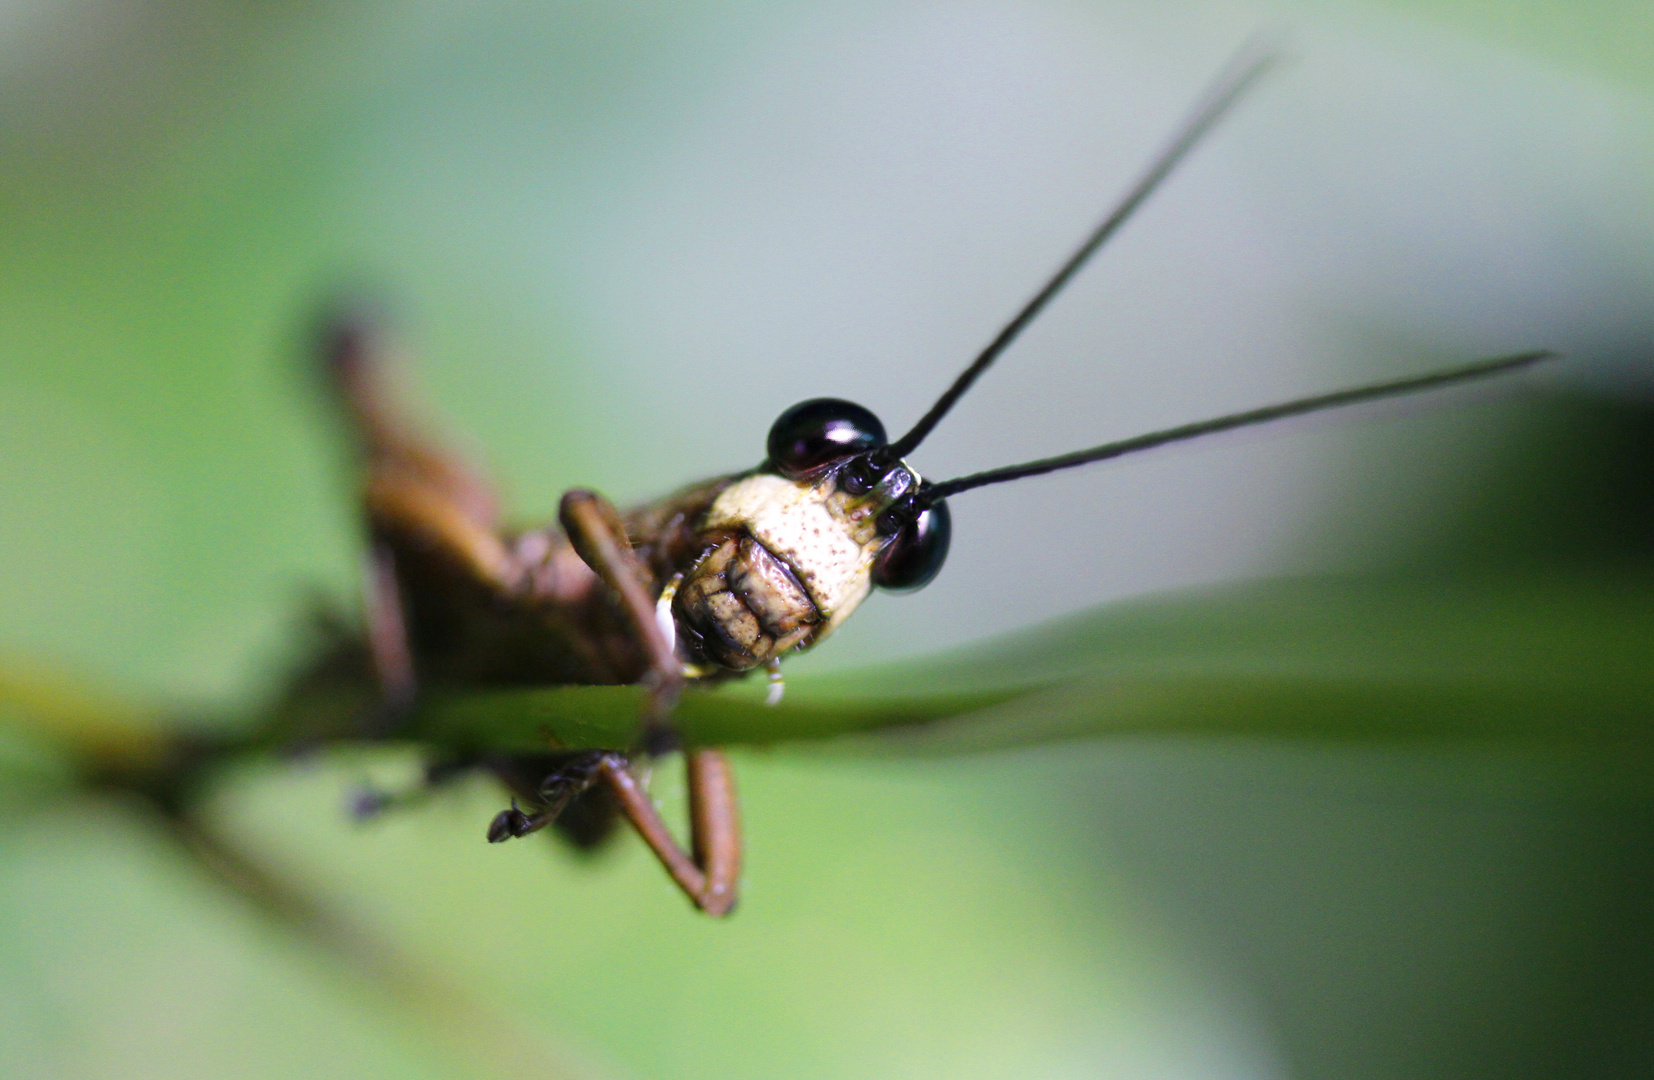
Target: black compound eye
[(910, 560), (820, 431)]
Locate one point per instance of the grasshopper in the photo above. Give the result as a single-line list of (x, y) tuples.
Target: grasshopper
[(713, 582)]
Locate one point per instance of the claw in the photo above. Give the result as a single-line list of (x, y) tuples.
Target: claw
[(507, 824), (570, 778)]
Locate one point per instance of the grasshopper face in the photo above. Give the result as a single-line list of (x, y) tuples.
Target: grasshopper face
[(791, 548)]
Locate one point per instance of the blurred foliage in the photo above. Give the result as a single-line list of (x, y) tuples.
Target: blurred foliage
[(1613, 38)]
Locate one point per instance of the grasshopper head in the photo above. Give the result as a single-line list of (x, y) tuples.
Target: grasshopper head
[(791, 548)]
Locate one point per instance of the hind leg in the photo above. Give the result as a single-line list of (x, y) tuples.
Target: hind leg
[(426, 511)]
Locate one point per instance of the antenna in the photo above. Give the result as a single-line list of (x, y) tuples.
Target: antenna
[(1481, 369), (1234, 80)]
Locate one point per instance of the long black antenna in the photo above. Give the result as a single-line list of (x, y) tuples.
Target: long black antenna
[(1235, 79), (1481, 369)]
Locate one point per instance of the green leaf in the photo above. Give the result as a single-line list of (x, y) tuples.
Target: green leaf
[(1554, 656)]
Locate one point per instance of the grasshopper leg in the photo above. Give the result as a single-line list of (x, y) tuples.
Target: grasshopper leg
[(388, 630), (553, 794), (405, 509), (708, 875), (358, 363), (716, 828), (421, 502), (599, 538)]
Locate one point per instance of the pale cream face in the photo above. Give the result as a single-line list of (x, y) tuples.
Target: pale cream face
[(826, 537)]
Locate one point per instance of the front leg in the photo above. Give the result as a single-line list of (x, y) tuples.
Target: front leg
[(599, 538), (709, 875)]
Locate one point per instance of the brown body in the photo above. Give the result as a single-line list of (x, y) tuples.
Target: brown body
[(545, 616), (458, 600)]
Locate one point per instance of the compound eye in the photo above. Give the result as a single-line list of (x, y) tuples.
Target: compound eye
[(819, 432), (916, 553)]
